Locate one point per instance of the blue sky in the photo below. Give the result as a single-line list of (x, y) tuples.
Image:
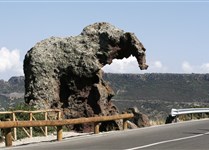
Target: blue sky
[(175, 33)]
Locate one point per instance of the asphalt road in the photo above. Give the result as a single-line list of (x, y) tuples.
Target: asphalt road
[(185, 136)]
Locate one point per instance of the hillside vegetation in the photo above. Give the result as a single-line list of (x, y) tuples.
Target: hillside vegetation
[(163, 87), (156, 94)]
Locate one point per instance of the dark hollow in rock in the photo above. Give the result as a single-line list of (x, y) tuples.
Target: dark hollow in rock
[(66, 73)]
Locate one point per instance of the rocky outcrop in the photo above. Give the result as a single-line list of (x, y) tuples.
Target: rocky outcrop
[(66, 72), (139, 119)]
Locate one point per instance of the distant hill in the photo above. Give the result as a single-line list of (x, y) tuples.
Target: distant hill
[(14, 84), (11, 92), (156, 94), (153, 94), (164, 87)]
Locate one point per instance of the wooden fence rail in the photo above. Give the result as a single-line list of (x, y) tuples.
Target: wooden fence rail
[(7, 125), (13, 117)]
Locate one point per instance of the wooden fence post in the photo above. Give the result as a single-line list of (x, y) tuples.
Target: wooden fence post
[(31, 128), (45, 128), (59, 133), (59, 128), (8, 136), (96, 127), (14, 129), (125, 124), (59, 115)]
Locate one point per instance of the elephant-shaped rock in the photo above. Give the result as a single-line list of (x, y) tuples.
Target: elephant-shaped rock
[(66, 73)]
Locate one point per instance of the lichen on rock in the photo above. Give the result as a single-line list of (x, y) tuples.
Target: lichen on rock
[(66, 72)]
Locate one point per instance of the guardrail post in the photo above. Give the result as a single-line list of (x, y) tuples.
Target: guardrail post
[(45, 128), (8, 136), (125, 124), (31, 128), (14, 129), (59, 128), (59, 133), (96, 127), (203, 115), (176, 118)]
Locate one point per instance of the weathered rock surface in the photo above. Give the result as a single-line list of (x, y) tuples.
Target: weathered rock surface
[(139, 119), (66, 72)]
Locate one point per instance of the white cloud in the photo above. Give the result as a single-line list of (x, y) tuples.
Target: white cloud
[(157, 64), (205, 67), (156, 67), (186, 67), (10, 63), (130, 65)]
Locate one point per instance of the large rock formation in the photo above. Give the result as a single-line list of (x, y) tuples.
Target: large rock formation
[(66, 72)]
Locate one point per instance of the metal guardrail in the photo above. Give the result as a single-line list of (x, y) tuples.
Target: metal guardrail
[(176, 112)]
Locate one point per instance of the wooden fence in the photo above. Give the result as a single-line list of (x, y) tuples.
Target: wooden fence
[(12, 116), (8, 125)]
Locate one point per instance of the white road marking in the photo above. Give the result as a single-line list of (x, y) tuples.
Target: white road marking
[(167, 141)]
